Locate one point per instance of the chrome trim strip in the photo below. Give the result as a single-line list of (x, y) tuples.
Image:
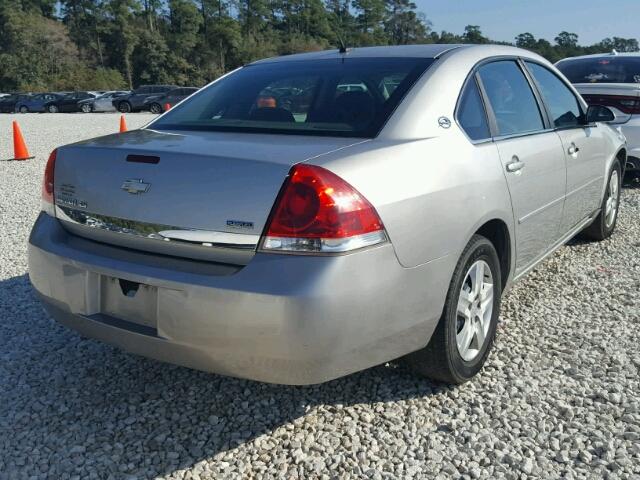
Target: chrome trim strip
[(165, 233), (540, 209), (585, 185)]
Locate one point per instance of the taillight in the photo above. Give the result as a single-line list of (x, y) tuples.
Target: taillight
[(317, 211), (47, 183), (624, 103)]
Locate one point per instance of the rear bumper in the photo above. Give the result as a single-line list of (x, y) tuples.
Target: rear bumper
[(281, 319), (631, 131)]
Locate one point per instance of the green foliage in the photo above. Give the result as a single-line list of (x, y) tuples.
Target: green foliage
[(104, 44)]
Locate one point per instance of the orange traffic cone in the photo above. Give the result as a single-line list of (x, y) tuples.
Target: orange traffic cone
[(123, 124), (20, 151), (167, 107)]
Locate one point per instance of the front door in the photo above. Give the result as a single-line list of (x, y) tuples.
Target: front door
[(583, 146)]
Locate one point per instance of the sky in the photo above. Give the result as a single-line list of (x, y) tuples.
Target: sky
[(592, 20)]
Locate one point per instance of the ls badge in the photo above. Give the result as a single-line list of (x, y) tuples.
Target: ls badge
[(135, 186)]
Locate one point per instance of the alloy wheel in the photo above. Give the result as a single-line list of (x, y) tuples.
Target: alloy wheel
[(611, 204), (475, 308)]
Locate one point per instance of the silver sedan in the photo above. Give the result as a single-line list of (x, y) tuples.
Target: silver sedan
[(102, 103), (308, 216)]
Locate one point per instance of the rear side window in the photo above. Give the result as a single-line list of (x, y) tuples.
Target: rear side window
[(336, 97), (471, 114), (512, 101), (564, 106), (610, 69)]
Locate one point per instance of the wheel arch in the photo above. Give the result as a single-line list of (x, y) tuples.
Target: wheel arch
[(621, 156), (497, 232)]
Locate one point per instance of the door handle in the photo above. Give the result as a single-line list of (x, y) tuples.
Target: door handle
[(573, 149), (515, 165)]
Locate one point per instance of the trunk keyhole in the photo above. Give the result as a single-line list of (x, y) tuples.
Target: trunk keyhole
[(128, 288)]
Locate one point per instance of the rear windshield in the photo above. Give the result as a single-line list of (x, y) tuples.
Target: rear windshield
[(350, 97), (601, 70)]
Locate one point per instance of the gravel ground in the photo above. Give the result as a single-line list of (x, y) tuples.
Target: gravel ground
[(559, 397)]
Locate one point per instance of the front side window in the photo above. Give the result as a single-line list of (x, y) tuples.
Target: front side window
[(610, 69), (512, 100), (564, 106), (339, 97), (471, 114)]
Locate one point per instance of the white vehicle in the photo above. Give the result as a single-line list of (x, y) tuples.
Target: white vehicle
[(611, 80), (102, 103)]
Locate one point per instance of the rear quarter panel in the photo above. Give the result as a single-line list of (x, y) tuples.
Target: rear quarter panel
[(432, 194)]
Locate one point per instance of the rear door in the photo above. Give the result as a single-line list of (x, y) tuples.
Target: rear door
[(67, 103), (532, 157), (104, 103), (139, 96), (584, 145)]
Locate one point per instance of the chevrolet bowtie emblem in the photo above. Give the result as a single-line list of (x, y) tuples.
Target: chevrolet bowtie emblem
[(135, 186)]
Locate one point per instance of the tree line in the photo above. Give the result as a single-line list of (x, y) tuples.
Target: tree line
[(114, 44)]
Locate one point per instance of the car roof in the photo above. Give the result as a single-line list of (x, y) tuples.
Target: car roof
[(603, 55), (431, 50)]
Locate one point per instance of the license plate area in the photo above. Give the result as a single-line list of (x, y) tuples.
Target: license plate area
[(130, 301)]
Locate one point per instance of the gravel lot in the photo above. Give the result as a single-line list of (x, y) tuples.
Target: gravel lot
[(560, 396)]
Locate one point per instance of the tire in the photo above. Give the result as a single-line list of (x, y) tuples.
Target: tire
[(24, 109), (155, 108), (52, 108), (124, 107), (605, 223), (86, 108), (442, 359)]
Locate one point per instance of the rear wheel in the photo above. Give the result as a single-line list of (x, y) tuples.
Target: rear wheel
[(52, 108), (24, 109), (463, 338), (86, 108), (124, 107), (605, 223), (155, 108)]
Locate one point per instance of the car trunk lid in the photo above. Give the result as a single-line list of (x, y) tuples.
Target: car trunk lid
[(202, 195)]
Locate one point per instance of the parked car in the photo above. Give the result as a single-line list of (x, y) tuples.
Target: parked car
[(68, 102), (8, 103), (36, 103), (156, 103), (298, 246), (134, 102), (612, 80), (102, 103)]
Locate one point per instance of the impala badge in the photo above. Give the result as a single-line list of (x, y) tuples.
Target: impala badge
[(135, 186)]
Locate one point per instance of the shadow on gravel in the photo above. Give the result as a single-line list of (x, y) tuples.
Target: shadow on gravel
[(85, 406)]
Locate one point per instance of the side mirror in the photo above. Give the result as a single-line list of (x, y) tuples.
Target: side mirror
[(599, 113)]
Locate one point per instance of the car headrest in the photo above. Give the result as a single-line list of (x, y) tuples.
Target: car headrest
[(355, 108), (271, 115)]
